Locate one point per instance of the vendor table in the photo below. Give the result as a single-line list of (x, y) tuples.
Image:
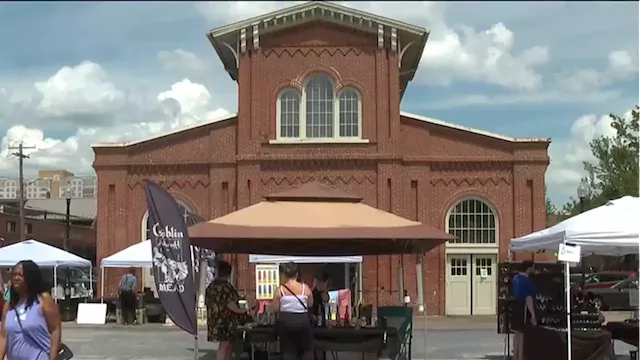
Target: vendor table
[(334, 340), (546, 343)]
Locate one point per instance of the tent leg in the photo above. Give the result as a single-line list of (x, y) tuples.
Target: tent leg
[(400, 278), (55, 283), (636, 306), (421, 306), (102, 285), (567, 284), (91, 280)]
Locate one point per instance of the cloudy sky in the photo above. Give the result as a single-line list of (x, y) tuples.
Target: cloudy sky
[(73, 74)]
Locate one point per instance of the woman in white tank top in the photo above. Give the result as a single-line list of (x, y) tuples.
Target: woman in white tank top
[(292, 300)]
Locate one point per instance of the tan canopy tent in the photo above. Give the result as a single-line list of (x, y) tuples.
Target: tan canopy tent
[(315, 219)]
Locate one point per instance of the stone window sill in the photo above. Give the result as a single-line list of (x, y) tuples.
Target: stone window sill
[(319, 141)]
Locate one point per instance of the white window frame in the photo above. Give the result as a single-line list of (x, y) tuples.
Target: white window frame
[(336, 138), (450, 244)]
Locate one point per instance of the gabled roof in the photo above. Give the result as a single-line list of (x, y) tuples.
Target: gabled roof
[(402, 113), (473, 131), (162, 135), (230, 41)]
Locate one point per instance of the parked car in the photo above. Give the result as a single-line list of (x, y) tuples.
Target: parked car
[(78, 277), (616, 297), (602, 280)]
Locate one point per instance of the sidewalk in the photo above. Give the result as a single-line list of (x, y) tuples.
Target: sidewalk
[(473, 322), (444, 323)]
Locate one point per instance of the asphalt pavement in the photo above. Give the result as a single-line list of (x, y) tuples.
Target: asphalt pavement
[(147, 342)]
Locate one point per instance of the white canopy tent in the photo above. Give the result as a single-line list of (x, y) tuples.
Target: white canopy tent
[(611, 229), (279, 259), (136, 255), (44, 255)]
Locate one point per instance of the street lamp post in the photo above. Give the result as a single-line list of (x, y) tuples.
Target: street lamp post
[(65, 244), (583, 192)]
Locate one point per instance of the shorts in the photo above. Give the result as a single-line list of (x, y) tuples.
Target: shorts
[(519, 319)]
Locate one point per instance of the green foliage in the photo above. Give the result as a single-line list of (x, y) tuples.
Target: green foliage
[(614, 173)]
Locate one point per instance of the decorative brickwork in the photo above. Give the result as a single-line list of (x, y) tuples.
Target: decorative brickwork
[(412, 167)]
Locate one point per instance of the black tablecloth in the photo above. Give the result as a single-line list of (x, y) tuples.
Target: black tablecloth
[(624, 331), (363, 340), (542, 343)]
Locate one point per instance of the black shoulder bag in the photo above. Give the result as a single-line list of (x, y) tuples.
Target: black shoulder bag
[(63, 354), (309, 314)]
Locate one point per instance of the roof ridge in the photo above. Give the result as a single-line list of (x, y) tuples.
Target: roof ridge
[(122, 144), (474, 130)]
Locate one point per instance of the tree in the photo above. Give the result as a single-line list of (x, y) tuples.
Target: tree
[(614, 173)]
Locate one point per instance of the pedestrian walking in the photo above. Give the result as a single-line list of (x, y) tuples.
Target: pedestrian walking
[(31, 328), (127, 295), (524, 314)]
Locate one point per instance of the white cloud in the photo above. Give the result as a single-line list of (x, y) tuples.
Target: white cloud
[(185, 103), (178, 60), (569, 154), (79, 90), (620, 65), (547, 97)]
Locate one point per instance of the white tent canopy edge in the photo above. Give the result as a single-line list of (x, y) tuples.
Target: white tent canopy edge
[(610, 229), (43, 255)]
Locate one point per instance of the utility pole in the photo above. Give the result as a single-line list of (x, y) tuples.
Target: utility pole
[(21, 156)]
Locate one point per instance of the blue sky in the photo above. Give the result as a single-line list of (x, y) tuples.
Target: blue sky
[(76, 73)]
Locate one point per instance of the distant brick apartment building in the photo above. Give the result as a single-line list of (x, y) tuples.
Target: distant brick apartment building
[(50, 184), (48, 228), (319, 90)]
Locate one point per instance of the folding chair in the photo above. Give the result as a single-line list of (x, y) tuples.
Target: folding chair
[(400, 318)]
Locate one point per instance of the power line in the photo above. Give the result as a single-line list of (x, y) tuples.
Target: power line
[(21, 156)]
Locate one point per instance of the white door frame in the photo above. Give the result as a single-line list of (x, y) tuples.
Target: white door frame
[(476, 279), (448, 280), (469, 252)]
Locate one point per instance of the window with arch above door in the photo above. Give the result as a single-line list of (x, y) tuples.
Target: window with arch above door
[(318, 113), (472, 222)]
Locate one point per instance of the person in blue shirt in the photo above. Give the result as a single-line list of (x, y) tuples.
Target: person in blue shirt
[(524, 310)]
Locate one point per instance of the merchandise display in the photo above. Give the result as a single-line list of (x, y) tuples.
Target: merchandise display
[(548, 282), (585, 320)]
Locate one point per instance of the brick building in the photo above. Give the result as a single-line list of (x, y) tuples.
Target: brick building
[(82, 236), (319, 90)]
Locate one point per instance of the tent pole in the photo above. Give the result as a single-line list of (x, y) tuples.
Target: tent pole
[(421, 305), (567, 284), (55, 283), (91, 279), (102, 285), (400, 279)]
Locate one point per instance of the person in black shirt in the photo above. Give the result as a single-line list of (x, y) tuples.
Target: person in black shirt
[(320, 295)]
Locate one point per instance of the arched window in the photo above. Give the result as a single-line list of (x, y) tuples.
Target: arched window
[(319, 107), (349, 113), (317, 113), (472, 221), (289, 114)]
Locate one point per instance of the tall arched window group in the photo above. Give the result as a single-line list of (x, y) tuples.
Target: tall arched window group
[(319, 112), (472, 221)]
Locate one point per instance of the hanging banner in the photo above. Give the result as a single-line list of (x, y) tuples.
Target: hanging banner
[(172, 258)]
